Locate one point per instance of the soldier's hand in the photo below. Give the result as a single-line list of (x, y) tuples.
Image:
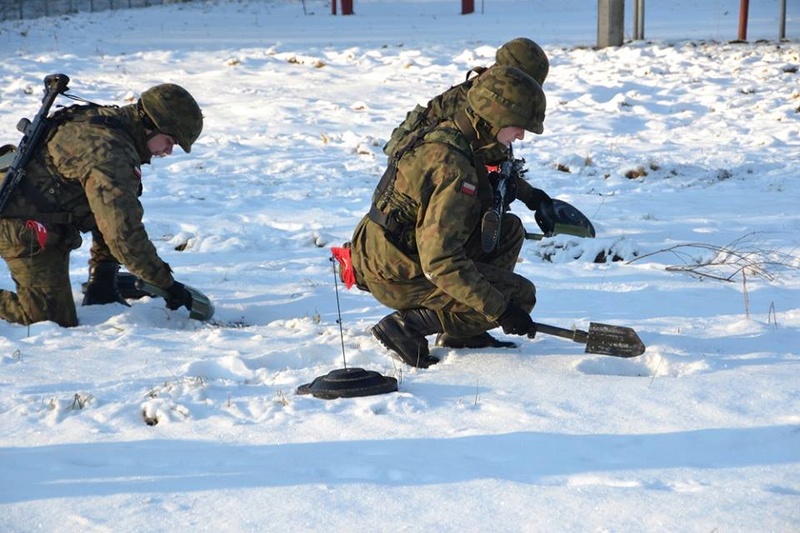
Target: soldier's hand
[(516, 321), (178, 296), (537, 199)]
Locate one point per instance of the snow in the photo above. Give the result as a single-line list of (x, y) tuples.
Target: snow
[(680, 149)]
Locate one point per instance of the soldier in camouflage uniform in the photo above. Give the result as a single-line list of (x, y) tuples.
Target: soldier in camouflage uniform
[(521, 53), (419, 248), (86, 177)]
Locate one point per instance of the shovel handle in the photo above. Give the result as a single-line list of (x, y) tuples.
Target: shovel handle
[(575, 335)]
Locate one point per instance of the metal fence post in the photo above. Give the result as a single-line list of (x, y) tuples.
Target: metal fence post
[(782, 26), (744, 9), (610, 22), (638, 20)]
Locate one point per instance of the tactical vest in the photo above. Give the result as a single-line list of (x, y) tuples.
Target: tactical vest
[(396, 212), (41, 193)]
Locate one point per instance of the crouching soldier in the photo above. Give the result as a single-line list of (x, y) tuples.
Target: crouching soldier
[(521, 53), (86, 177), (419, 249)]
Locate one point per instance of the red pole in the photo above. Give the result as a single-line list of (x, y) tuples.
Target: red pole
[(347, 7), (467, 7), (333, 7), (744, 8)]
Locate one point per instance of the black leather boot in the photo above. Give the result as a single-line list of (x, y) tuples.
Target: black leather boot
[(101, 288), (126, 282), (403, 332), (482, 340)]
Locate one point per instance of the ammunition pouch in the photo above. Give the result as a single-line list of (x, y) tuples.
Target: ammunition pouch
[(387, 211), (415, 120)]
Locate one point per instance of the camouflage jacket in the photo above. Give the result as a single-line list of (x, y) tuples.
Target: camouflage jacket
[(444, 107), (87, 175), (439, 194)]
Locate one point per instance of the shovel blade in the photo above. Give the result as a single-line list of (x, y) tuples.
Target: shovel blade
[(617, 341), (202, 308)]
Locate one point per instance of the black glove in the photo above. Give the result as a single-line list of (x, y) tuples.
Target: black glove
[(102, 288), (516, 321), (537, 198), (178, 296)]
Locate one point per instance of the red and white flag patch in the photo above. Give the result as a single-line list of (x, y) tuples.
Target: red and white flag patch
[(40, 230), (468, 188)]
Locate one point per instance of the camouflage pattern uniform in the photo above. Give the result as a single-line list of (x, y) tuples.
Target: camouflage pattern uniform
[(85, 177), (521, 53), (432, 258), (439, 263)]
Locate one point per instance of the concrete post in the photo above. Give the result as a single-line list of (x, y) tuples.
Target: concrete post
[(610, 22), (638, 20)]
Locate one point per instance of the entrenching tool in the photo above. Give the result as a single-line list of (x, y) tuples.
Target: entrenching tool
[(560, 218), (202, 308), (603, 339)]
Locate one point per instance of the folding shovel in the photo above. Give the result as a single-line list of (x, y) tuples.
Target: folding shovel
[(604, 339), (202, 308)]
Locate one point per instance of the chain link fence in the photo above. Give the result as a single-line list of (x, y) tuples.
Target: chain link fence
[(28, 9)]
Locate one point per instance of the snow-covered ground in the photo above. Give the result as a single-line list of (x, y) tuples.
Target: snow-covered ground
[(680, 149)]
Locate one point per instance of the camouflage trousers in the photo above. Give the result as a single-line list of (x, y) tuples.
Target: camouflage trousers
[(458, 319), (41, 274)]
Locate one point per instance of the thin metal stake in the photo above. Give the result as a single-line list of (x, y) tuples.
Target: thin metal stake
[(338, 310)]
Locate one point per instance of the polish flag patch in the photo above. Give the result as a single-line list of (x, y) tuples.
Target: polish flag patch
[(468, 188)]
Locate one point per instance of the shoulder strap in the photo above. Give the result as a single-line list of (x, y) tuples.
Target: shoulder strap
[(466, 129)]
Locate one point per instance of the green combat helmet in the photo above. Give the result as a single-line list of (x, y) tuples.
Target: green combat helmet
[(526, 55), (174, 112), (507, 97)]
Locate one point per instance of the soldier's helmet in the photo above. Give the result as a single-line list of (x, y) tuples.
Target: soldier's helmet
[(507, 97), (526, 55), (174, 112)]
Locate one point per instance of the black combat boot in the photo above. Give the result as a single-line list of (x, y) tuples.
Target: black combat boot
[(101, 288), (482, 340), (403, 332), (126, 282)]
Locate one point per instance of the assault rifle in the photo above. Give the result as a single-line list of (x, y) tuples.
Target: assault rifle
[(509, 170), (33, 133)]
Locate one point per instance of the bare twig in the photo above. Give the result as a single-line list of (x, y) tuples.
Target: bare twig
[(746, 294), (724, 263), (771, 315)]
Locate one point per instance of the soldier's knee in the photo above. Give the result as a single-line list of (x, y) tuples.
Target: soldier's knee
[(525, 296), (512, 226), (51, 304)]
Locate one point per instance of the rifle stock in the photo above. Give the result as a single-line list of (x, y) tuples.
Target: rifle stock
[(509, 169), (33, 133)]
